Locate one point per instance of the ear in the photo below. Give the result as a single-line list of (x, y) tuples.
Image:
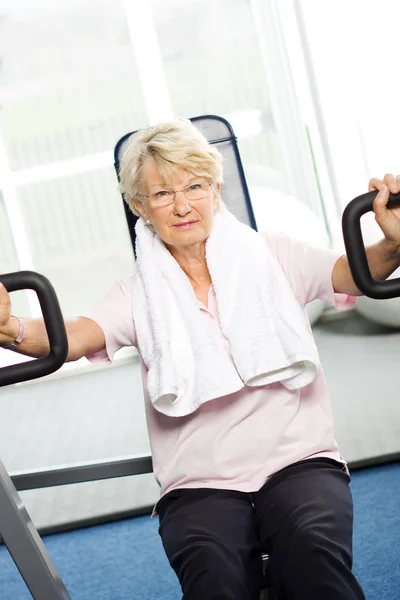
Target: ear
[(217, 196), (139, 207)]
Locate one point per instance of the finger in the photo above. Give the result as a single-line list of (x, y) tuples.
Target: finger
[(4, 295), (392, 183), (380, 201), (376, 184), (398, 183), (5, 305)]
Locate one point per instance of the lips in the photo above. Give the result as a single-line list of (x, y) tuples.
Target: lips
[(185, 225)]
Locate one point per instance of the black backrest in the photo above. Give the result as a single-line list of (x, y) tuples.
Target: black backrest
[(234, 192)]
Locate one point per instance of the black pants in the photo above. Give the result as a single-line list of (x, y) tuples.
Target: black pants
[(302, 517)]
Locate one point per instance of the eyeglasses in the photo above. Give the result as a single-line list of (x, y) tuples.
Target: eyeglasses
[(194, 191)]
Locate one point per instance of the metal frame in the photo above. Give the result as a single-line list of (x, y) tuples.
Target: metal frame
[(25, 545), (128, 466), (82, 472)]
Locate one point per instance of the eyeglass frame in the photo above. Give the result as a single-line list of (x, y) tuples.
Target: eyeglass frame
[(174, 192)]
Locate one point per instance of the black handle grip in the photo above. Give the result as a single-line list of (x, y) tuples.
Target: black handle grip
[(355, 249), (54, 323)]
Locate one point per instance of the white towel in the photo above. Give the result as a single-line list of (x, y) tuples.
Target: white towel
[(269, 335)]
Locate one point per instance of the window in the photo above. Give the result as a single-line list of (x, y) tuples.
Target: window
[(74, 77), (69, 88), (69, 83), (213, 64), (75, 227), (359, 115)]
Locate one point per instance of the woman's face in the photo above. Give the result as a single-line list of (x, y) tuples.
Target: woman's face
[(182, 222)]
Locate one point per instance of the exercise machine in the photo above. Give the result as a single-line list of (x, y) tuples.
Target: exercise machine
[(16, 528)]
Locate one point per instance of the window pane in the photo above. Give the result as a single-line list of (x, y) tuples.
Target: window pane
[(9, 261), (213, 65), (78, 235), (68, 80)]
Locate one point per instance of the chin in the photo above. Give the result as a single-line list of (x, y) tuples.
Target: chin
[(183, 238)]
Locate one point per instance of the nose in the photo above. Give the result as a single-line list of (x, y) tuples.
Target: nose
[(181, 205)]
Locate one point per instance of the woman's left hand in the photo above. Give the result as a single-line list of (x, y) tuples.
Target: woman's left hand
[(387, 219)]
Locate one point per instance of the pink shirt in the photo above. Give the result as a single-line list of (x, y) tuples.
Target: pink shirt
[(237, 441)]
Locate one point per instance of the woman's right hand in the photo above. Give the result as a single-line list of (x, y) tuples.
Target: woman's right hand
[(85, 336), (7, 326)]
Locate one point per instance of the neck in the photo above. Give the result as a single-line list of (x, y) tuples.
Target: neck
[(192, 261)]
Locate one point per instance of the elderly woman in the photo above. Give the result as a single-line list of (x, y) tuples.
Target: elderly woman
[(237, 407)]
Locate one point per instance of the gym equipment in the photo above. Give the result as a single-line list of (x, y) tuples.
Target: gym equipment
[(355, 249), (386, 312), (16, 528)]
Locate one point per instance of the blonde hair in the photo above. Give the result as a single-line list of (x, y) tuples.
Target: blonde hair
[(174, 146)]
